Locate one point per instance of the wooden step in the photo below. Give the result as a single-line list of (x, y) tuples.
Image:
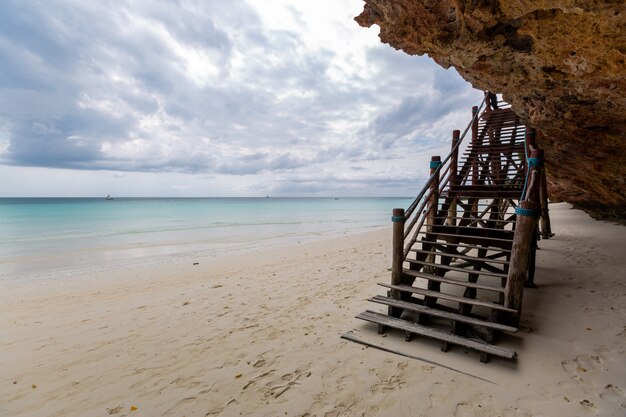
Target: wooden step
[(491, 189), (485, 187), (450, 297), (454, 268), (505, 244), (498, 235), (482, 194), (474, 219), (476, 231), (442, 314), (474, 344), (452, 281), (514, 150), (460, 245), (461, 256)]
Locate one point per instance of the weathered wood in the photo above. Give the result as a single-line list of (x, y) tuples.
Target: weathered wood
[(451, 281), (465, 225), (482, 265), (520, 256), (479, 220), (502, 244), (494, 193), (397, 256), (482, 231), (435, 163), (487, 233), (454, 179), (405, 305), (546, 226), (479, 346), (531, 139), (349, 336), (454, 268), (500, 251), (487, 187), (522, 242), (456, 254), (454, 158), (474, 143), (449, 297)]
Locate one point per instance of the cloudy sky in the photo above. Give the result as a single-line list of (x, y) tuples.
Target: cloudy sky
[(215, 98)]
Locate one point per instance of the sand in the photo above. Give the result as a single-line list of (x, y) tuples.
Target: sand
[(258, 334)]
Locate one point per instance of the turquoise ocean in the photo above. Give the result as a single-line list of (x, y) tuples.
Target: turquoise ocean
[(50, 233)]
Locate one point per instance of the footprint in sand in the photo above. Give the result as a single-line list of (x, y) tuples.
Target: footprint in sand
[(287, 381), (611, 392), (583, 364), (394, 382), (479, 406), (438, 394)]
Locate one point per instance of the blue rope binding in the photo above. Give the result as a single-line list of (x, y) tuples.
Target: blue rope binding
[(535, 162), (434, 164), (526, 212)]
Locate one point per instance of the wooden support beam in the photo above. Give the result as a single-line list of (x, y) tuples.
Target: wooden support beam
[(474, 143), (397, 257), (431, 221), (546, 227), (525, 232), (374, 317), (454, 158)]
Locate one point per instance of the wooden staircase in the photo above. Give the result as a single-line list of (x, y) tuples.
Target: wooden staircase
[(465, 248)]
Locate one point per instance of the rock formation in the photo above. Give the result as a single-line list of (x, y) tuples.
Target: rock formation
[(560, 63)]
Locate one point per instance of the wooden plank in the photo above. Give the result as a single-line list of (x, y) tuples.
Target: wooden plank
[(349, 336), (505, 147), (475, 231), (442, 314), (461, 256), (476, 219), (513, 187), (454, 281), (460, 245), (472, 232), (450, 297), (454, 268), (500, 243), (436, 334), (481, 194)]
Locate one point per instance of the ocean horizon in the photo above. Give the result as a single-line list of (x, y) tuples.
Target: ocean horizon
[(48, 233)]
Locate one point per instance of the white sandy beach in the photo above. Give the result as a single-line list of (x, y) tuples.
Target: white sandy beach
[(258, 334)]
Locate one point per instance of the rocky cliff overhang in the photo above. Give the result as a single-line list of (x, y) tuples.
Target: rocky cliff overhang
[(560, 63)]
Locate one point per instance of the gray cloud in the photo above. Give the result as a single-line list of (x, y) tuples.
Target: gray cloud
[(209, 88)]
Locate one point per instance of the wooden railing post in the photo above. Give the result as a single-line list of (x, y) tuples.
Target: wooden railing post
[(454, 158), (397, 255), (531, 139), (546, 227), (431, 214), (474, 144), (524, 237), (435, 162), (454, 176)]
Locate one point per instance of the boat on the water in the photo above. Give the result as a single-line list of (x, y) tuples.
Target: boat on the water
[(108, 197)]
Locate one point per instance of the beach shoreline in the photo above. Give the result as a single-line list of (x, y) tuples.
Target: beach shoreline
[(258, 333), (61, 235)]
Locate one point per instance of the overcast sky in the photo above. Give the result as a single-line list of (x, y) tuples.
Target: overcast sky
[(215, 98)]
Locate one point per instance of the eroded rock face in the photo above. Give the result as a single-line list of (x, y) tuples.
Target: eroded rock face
[(560, 63)]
